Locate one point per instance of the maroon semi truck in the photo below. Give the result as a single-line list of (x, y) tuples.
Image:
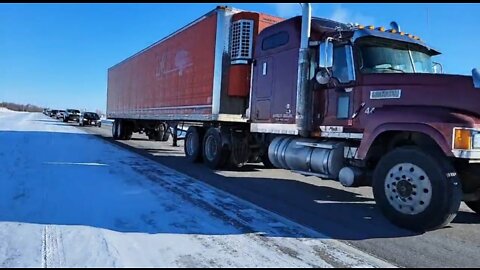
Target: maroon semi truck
[(361, 105)]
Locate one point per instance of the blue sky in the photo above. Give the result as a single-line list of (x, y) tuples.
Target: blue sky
[(57, 55)]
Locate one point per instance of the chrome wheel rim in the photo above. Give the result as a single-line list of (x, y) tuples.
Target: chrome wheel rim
[(190, 144), (210, 148), (408, 188)]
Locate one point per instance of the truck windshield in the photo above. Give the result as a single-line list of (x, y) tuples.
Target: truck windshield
[(380, 56)]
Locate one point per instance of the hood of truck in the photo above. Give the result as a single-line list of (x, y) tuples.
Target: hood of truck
[(456, 92)]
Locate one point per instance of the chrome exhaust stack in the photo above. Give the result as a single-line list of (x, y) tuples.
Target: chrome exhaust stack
[(303, 104)]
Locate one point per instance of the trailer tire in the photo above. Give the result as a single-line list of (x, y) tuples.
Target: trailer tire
[(416, 190), (215, 153), (115, 130), (193, 144), (125, 130), (475, 206), (120, 130), (165, 132)]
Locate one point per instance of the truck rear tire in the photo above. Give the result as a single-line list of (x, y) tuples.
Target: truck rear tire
[(193, 144), (475, 206), (416, 190), (215, 154)]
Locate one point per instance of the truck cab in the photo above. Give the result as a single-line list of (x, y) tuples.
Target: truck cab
[(378, 111)]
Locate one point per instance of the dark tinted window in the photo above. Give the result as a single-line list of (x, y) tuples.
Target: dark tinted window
[(91, 115), (275, 40), (340, 66)]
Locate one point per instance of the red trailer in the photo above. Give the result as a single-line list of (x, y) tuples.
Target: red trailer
[(363, 105), (197, 73)]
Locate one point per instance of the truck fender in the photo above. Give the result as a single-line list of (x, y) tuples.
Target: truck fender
[(370, 136)]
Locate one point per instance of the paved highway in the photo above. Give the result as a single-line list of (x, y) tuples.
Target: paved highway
[(326, 206)]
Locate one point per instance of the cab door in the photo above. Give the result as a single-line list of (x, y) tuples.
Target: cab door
[(264, 85), (342, 91)]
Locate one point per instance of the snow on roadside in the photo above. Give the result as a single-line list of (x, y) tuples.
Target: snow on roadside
[(70, 199)]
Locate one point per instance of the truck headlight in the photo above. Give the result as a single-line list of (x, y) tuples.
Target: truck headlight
[(476, 140)]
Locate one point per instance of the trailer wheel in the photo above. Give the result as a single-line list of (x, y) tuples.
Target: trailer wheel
[(193, 144), (115, 130), (475, 206), (120, 130), (416, 190), (215, 154), (125, 130)]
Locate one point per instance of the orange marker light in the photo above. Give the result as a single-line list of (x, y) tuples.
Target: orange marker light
[(462, 139)]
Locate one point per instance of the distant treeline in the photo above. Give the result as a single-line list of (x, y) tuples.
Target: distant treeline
[(21, 107)]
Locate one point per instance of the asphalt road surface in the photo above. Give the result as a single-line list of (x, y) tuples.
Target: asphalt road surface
[(346, 214)]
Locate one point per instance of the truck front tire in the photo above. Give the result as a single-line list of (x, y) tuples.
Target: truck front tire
[(416, 190)]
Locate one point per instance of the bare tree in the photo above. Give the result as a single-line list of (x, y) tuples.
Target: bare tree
[(21, 107)]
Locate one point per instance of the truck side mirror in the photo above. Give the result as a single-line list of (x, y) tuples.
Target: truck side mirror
[(437, 68), (325, 54), (325, 62), (476, 77)]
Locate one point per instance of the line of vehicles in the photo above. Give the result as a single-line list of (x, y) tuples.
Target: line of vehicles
[(73, 115)]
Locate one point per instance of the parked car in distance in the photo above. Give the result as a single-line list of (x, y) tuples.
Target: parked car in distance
[(89, 118), (71, 115), (53, 113), (59, 114)]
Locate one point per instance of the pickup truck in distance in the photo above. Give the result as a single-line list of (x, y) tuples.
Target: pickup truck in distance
[(71, 115), (362, 105)]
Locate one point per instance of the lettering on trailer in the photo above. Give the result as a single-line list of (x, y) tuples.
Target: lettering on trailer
[(386, 94)]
